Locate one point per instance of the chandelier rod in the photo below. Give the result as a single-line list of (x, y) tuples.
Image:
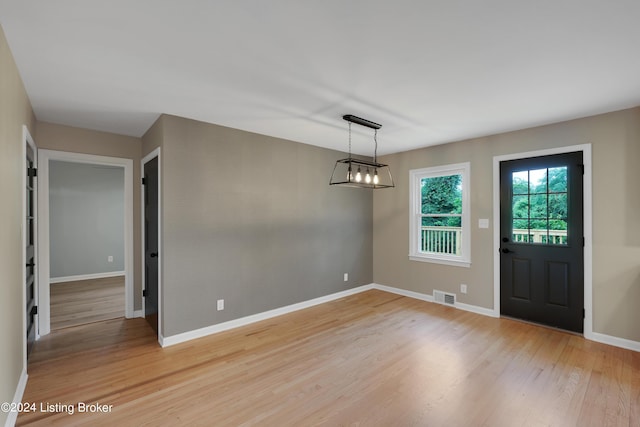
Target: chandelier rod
[(360, 121)]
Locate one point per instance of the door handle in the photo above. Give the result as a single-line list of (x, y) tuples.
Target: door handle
[(507, 251), (153, 254)]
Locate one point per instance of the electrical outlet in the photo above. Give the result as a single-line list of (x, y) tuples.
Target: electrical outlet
[(220, 304), (110, 258), (346, 277), (463, 288)]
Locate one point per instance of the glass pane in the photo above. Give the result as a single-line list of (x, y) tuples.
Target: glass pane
[(520, 206), (558, 208), (442, 221), (538, 225), (538, 207), (520, 182), (441, 194), (441, 235), (538, 181), (520, 231), (557, 232), (558, 180), (520, 225)]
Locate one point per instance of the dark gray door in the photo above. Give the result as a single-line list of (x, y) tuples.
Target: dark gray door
[(542, 240), (150, 293), (30, 250)]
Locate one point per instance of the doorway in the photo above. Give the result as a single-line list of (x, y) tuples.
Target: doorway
[(45, 159), (542, 237), (151, 294), (30, 241)]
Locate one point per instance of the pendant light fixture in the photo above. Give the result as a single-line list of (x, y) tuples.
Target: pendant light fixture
[(352, 172)]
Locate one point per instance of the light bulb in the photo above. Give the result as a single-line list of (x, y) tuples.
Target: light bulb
[(375, 178), (358, 176), (367, 178), (349, 174)]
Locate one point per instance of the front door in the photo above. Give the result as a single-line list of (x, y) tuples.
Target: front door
[(542, 240), (30, 281), (150, 293)]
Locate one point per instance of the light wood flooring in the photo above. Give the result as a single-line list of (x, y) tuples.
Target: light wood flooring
[(371, 359), (86, 301)]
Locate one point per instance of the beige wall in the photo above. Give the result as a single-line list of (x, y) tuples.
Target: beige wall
[(15, 111), (615, 139), (75, 140), (252, 220), (153, 137)]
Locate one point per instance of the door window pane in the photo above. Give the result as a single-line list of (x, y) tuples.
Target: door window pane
[(558, 206), (539, 206), (558, 180), (520, 206), (520, 182), (538, 181)]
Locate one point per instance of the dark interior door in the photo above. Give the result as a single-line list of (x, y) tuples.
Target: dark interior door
[(30, 282), (542, 240), (150, 294)]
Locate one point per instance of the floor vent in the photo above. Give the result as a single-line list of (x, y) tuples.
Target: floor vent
[(444, 298)]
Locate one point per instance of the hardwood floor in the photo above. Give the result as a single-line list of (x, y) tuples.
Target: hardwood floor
[(371, 359), (86, 301)]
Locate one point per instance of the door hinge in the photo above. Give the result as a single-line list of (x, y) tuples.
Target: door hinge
[(583, 242), (584, 314), (32, 172), (34, 310), (581, 166), (144, 181), (144, 293)]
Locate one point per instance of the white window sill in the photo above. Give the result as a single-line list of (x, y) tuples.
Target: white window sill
[(436, 260)]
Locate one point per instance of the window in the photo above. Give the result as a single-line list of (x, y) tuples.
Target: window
[(439, 228), (540, 206)]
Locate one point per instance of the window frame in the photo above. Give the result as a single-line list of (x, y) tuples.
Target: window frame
[(415, 214)]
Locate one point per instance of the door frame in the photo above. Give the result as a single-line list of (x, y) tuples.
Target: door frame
[(44, 156), (155, 153), (588, 225), (27, 140)]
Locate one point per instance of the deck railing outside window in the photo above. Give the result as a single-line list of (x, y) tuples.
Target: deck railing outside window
[(446, 240), (441, 240)]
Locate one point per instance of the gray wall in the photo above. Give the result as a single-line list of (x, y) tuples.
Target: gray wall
[(252, 220), (86, 214), (615, 139)]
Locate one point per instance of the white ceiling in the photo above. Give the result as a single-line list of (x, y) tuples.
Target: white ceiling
[(430, 71)]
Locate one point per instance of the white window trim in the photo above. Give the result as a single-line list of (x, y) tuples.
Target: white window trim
[(415, 175)]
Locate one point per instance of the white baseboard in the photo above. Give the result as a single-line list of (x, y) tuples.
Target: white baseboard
[(593, 336), (614, 341), (231, 324), (137, 313), (477, 309), (12, 417), (404, 292), (429, 298), (86, 277), (202, 332)]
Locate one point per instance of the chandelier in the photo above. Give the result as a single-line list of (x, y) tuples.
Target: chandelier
[(352, 172)]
